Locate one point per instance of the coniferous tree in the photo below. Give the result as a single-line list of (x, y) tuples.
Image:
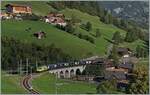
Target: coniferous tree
[(131, 35), (88, 26), (98, 34), (117, 37), (114, 56)]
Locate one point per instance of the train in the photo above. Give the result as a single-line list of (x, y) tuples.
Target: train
[(60, 65), (42, 68)]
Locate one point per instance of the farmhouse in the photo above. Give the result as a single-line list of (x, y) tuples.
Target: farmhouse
[(123, 51), (15, 9), (55, 19), (40, 34)]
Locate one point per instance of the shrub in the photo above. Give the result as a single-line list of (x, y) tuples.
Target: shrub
[(32, 17)]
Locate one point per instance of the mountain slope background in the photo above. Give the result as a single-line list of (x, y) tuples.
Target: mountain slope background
[(137, 11)]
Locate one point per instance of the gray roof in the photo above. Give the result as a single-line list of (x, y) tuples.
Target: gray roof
[(126, 65), (91, 58), (120, 75)]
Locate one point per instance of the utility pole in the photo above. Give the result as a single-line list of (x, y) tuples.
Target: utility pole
[(36, 64), (56, 83), (31, 72), (20, 66), (27, 64)]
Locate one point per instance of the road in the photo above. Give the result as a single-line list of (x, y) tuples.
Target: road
[(26, 84)]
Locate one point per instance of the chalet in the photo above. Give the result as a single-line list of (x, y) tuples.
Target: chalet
[(55, 19), (40, 34), (56, 15), (127, 67), (3, 15), (16, 8), (123, 51), (118, 75), (90, 59), (113, 69)]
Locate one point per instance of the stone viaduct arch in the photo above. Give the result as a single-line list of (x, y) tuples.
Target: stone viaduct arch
[(67, 72)]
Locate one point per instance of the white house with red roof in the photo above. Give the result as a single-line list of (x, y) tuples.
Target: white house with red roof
[(55, 19)]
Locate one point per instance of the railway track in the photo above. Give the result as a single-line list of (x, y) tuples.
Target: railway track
[(27, 85)]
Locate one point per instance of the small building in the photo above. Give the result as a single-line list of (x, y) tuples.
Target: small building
[(55, 19), (127, 66), (16, 8), (3, 15), (122, 51), (55, 15), (40, 34), (113, 69), (118, 75)]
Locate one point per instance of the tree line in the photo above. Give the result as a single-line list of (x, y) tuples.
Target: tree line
[(13, 50), (94, 8)]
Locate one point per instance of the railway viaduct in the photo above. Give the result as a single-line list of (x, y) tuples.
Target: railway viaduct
[(67, 72)]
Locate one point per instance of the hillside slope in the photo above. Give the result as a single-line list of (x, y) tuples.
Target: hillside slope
[(70, 44)]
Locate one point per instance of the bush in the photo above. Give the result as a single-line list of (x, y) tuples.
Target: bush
[(98, 34), (32, 17), (60, 27)]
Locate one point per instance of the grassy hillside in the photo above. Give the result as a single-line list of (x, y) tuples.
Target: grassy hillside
[(10, 84), (45, 84), (70, 44)]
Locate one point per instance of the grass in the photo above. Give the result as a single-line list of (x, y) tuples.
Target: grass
[(68, 43), (79, 48), (133, 45), (10, 84), (45, 84)]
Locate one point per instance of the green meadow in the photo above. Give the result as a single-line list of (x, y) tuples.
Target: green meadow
[(11, 84), (45, 84)]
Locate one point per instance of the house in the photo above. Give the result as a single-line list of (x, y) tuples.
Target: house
[(3, 15), (16, 8), (118, 75), (55, 19), (98, 61), (40, 34), (129, 59), (123, 51), (127, 66), (90, 59), (121, 75), (113, 69)]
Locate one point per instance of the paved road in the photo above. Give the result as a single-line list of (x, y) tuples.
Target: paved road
[(27, 85)]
